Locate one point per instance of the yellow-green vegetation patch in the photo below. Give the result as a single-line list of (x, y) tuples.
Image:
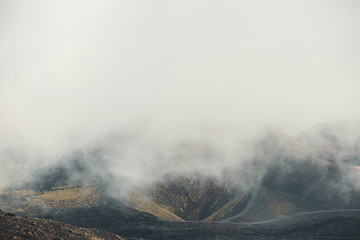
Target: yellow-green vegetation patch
[(144, 203), (281, 207), (229, 209), (70, 196)]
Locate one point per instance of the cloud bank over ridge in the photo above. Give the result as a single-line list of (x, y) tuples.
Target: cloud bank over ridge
[(72, 71)]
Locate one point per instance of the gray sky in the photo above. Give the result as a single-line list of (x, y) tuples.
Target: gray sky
[(72, 70)]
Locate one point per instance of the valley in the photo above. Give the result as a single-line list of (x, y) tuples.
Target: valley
[(290, 190)]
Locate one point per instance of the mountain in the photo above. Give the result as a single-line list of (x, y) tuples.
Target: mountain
[(127, 184)]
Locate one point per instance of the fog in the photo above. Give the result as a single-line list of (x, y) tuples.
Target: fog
[(220, 71)]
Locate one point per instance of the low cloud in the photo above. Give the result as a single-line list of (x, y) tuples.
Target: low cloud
[(139, 89)]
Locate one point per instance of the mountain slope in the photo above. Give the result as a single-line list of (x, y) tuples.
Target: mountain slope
[(266, 204)]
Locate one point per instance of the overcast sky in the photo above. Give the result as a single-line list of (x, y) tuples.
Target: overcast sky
[(72, 70)]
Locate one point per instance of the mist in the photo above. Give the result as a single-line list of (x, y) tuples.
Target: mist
[(204, 76)]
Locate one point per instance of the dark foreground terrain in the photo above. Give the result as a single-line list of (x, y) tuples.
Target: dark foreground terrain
[(138, 225), (16, 227)]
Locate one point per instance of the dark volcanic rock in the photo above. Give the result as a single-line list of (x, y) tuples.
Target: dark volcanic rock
[(137, 225), (16, 227)]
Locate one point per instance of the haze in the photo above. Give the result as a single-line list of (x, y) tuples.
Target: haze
[(72, 71)]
